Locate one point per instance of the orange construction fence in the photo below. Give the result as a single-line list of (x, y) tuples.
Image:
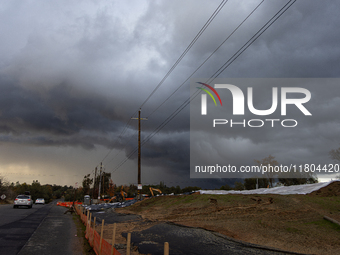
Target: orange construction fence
[(100, 246), (68, 204)]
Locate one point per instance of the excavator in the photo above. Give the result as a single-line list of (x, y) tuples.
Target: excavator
[(153, 189), (119, 196)]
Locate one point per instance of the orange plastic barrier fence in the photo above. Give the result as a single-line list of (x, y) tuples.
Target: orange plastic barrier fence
[(68, 204), (94, 238)]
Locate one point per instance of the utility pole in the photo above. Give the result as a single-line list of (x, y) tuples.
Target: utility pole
[(94, 182), (139, 150), (100, 175), (103, 183)]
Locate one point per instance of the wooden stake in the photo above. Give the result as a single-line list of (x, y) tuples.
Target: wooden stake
[(128, 244), (89, 225), (166, 248), (87, 220), (94, 227), (113, 238), (101, 238)]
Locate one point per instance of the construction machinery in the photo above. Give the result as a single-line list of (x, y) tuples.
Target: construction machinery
[(119, 196), (153, 189)]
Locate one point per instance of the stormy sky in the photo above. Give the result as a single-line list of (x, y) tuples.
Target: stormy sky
[(73, 74)]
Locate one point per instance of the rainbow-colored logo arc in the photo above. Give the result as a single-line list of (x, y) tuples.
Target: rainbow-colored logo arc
[(209, 93)]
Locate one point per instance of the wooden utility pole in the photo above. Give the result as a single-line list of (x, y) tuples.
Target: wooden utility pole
[(103, 183), (94, 182), (139, 148), (100, 175)]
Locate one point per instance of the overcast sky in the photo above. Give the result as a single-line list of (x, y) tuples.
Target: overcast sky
[(72, 74)]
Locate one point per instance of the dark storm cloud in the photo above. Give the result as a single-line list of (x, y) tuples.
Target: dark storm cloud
[(74, 74), (302, 43), (62, 116), (169, 152)]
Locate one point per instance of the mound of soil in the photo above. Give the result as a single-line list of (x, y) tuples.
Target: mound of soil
[(331, 190), (269, 220)]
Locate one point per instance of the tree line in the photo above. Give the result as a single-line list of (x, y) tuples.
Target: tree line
[(90, 186), (47, 191)]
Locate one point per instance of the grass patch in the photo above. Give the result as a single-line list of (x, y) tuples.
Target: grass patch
[(325, 224), (87, 249), (293, 230), (328, 203), (5, 202), (195, 201)]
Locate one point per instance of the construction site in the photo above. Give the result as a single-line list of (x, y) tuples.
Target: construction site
[(170, 127), (307, 219)]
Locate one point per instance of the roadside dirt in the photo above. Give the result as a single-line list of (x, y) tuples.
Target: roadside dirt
[(289, 222), (79, 243)]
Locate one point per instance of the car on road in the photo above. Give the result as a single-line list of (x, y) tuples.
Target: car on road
[(40, 201), (23, 200)]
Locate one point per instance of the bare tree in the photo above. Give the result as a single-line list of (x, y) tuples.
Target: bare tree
[(335, 154), (87, 181), (268, 161)]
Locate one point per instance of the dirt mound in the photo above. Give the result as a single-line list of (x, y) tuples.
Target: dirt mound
[(330, 190), (270, 220)]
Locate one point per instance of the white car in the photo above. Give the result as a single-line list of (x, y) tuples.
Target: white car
[(40, 201), (23, 200)]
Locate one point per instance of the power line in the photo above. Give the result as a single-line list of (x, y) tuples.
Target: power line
[(119, 137), (121, 149), (253, 39), (207, 58), (212, 17), (215, 75)]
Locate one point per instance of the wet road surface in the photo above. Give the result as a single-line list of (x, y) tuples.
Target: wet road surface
[(44, 229), (18, 226)]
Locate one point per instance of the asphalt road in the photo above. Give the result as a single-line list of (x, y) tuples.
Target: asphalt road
[(44, 229), (8, 214)]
